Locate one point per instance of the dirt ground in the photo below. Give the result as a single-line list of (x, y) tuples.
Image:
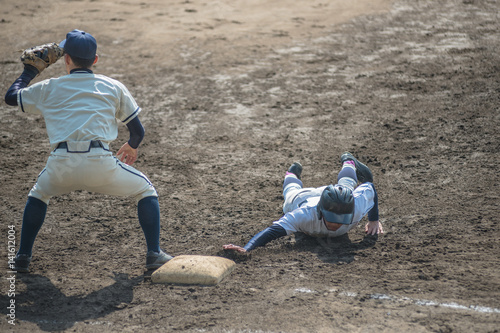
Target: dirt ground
[(232, 93)]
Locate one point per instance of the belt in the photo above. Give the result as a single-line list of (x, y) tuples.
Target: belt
[(300, 192), (93, 144)]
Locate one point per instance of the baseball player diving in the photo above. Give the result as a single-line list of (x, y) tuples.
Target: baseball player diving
[(327, 211), (82, 111)]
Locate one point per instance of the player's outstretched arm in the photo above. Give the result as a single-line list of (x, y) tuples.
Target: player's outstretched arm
[(23, 81), (262, 238)]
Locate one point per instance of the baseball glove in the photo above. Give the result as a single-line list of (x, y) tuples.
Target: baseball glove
[(42, 56)]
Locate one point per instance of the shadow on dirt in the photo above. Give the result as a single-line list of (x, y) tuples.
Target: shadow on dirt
[(331, 250), (47, 306), (335, 250)]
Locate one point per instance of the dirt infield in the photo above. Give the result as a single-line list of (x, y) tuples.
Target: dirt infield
[(232, 94)]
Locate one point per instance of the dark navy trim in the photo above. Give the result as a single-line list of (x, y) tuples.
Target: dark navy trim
[(373, 213), (21, 101), (132, 115), (134, 173), (91, 145), (81, 70), (41, 173)]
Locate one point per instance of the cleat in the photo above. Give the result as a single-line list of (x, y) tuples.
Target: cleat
[(22, 263), (296, 169), (155, 260), (362, 171)]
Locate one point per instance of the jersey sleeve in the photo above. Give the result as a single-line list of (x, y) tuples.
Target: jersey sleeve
[(31, 97), (299, 220), (128, 108), (11, 97), (373, 212), (365, 202), (136, 132), (265, 236)]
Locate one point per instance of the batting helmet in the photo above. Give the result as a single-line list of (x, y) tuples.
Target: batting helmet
[(336, 204)]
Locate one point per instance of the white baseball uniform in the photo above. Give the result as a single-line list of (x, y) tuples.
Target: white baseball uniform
[(301, 214), (79, 108)]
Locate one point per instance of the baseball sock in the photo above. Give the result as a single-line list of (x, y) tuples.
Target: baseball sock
[(349, 164), (348, 170), (33, 217), (148, 210), (289, 180)]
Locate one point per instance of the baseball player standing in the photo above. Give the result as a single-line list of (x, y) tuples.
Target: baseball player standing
[(327, 211), (82, 111)]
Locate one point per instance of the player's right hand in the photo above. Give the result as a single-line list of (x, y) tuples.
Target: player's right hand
[(127, 154), (374, 228), (234, 247)]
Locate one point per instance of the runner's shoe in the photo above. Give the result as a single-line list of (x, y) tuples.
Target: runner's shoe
[(296, 169), (362, 171)]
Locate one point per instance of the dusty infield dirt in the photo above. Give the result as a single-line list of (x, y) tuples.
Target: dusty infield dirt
[(232, 94)]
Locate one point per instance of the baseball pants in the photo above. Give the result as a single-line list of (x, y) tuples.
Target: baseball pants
[(95, 170)]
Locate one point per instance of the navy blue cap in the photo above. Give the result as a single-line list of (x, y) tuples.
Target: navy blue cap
[(79, 44)]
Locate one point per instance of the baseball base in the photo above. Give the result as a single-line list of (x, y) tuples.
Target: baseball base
[(194, 269)]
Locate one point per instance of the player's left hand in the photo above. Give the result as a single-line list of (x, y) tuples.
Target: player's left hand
[(42, 56), (127, 154), (374, 228)]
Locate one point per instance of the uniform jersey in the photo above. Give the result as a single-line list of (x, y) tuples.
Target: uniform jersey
[(81, 106), (305, 218)]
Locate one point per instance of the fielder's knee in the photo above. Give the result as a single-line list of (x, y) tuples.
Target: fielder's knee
[(150, 192), (40, 196)]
